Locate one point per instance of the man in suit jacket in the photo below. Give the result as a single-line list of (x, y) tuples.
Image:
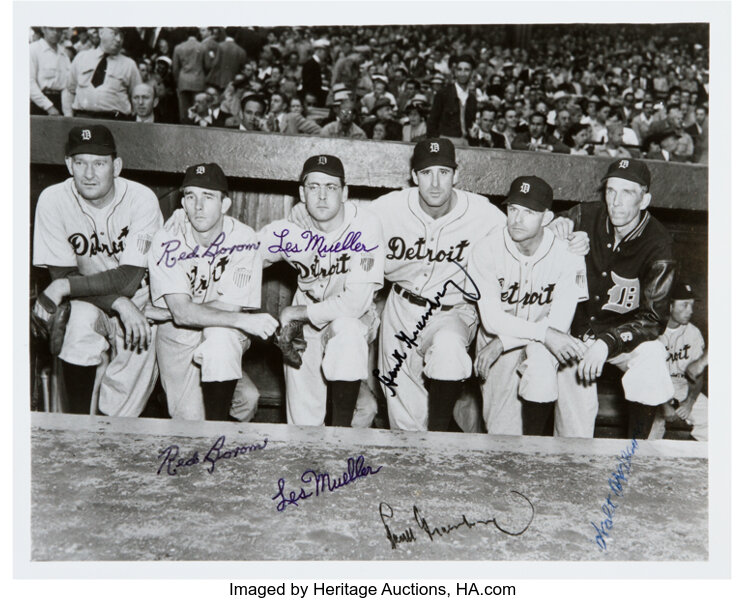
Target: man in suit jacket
[(189, 60), (536, 140), (229, 59), (312, 80), (278, 120), (454, 107), (482, 133), (699, 132)]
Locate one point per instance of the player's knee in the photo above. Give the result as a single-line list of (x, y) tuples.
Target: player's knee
[(447, 357), (346, 326), (651, 351), (346, 353), (85, 341), (220, 354)]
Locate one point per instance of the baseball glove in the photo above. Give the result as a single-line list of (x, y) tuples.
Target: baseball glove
[(49, 322), (291, 342)]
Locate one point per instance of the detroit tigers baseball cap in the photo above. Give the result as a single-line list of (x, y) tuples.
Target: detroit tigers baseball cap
[(531, 192), (433, 151), (682, 290), (323, 163), (90, 139), (630, 170), (206, 175)]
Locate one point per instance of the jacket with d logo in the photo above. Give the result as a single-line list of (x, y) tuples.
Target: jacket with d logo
[(629, 286)]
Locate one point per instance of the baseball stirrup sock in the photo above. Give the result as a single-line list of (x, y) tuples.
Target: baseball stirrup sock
[(442, 398), (343, 401), (536, 416), (218, 396), (79, 382), (641, 418)]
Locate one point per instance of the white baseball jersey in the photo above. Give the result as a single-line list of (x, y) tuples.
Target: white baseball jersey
[(327, 263), (419, 248), (684, 344), (228, 270), (70, 232), (521, 296)]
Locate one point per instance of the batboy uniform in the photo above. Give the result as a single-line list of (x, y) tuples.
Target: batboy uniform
[(338, 274), (70, 232), (228, 270), (521, 296), (427, 323), (629, 287), (684, 345)]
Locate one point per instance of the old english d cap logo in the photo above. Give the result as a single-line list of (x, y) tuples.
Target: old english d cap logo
[(323, 163), (431, 152), (90, 139), (531, 192), (630, 170), (209, 176)]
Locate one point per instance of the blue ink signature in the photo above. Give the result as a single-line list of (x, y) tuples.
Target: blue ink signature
[(410, 340), (214, 250), (407, 536), (356, 468), (172, 462), (318, 243), (616, 486)]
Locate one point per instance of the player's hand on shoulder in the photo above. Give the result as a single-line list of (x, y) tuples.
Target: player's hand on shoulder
[(487, 356), (262, 325), (579, 242), (299, 216), (137, 331), (563, 346), (591, 365), (562, 227), (176, 224)]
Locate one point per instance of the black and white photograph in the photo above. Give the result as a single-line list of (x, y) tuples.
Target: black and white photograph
[(371, 288)]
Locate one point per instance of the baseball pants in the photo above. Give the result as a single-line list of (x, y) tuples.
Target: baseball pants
[(699, 418), (189, 356), (441, 353), (528, 373), (646, 380), (129, 378), (337, 352)]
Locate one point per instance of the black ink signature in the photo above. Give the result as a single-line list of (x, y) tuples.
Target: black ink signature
[(386, 514), (356, 468), (389, 380), (172, 462)]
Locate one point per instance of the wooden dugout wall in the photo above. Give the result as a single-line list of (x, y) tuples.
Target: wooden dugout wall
[(263, 171)]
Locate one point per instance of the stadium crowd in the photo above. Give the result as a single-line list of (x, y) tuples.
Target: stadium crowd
[(605, 90)]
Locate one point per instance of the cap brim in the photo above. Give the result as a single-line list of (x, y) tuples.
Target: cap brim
[(627, 177), (91, 149), (321, 169), (434, 162), (530, 203)]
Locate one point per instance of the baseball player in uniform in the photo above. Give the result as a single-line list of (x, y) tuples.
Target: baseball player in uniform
[(429, 318), (93, 232), (630, 270), (686, 359), (529, 285), (428, 321), (339, 260), (204, 276)]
